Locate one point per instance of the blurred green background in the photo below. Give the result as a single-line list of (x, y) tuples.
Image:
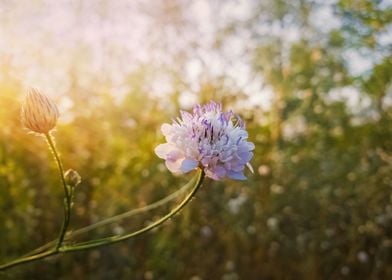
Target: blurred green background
[(312, 79)]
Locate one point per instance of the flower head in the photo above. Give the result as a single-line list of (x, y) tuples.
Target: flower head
[(39, 113), (208, 138)]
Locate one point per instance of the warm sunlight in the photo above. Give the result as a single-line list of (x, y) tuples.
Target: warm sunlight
[(179, 139)]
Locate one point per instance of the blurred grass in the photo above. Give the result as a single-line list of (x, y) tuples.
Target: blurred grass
[(318, 203)]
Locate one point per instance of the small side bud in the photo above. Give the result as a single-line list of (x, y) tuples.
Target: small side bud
[(39, 113), (72, 178)]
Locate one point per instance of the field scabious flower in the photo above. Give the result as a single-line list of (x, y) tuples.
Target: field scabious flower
[(39, 113), (208, 138)]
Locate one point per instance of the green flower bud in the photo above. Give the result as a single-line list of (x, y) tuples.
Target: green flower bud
[(72, 178)]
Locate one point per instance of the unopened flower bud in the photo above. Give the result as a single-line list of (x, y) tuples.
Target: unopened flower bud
[(39, 113), (72, 178)]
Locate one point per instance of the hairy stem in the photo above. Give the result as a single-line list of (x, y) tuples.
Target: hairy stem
[(67, 201)]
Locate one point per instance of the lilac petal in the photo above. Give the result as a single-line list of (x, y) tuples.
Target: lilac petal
[(243, 134), (188, 165), (251, 146), (246, 147), (174, 165), (166, 129), (237, 166), (163, 150), (174, 154), (236, 175), (220, 171), (217, 173), (245, 157)]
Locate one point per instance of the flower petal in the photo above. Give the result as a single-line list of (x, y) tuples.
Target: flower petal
[(188, 165), (163, 149), (166, 129), (217, 173), (236, 175), (220, 171), (246, 156), (251, 146), (174, 165), (175, 154)]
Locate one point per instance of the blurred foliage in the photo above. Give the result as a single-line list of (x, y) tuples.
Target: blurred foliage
[(319, 205)]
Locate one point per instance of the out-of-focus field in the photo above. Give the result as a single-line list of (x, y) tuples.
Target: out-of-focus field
[(312, 79)]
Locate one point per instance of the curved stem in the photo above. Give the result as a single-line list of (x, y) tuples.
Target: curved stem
[(116, 218), (67, 202), (109, 240), (118, 238), (28, 259), (133, 212)]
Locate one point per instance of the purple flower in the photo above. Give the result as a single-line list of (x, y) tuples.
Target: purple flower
[(208, 138)]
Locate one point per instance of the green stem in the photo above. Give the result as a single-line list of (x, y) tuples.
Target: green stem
[(132, 212), (117, 238), (28, 259), (116, 218), (67, 202), (109, 240)]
